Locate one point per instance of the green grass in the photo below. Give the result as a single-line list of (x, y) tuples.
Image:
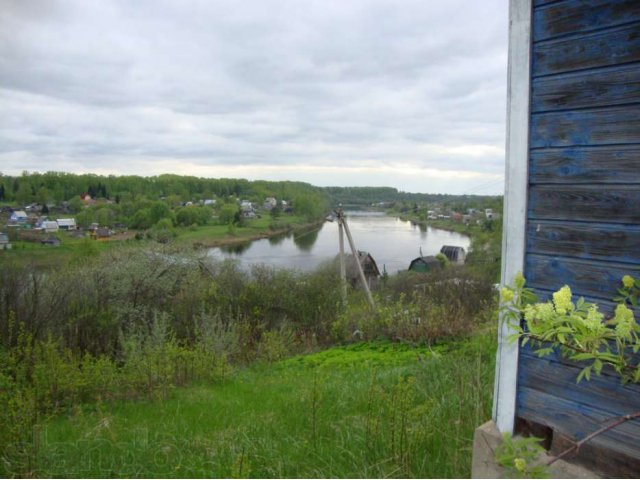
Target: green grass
[(251, 228), (70, 249), (367, 410)]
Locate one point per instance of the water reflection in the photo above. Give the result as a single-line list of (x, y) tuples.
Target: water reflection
[(278, 239), (304, 240), (391, 241), (236, 248)]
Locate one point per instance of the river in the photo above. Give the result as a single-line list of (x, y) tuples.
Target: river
[(392, 242)]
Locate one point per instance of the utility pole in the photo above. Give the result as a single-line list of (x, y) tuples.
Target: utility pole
[(343, 223), (343, 269)]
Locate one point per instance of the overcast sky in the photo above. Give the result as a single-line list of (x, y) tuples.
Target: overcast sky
[(402, 93)]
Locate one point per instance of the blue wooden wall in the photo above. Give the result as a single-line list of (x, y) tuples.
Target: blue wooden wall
[(583, 223)]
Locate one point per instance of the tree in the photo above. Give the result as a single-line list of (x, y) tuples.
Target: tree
[(104, 216), (160, 210), (43, 196), (24, 194), (227, 213), (276, 211), (75, 204), (142, 219), (307, 206)]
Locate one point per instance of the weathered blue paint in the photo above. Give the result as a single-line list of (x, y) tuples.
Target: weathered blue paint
[(581, 16), (583, 213), (586, 89), (601, 165), (595, 50), (588, 203), (602, 126), (587, 241), (595, 279)]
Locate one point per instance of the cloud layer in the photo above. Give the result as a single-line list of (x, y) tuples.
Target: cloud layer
[(408, 94)]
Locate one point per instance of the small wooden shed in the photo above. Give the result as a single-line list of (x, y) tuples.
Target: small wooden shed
[(369, 267), (425, 264), (572, 209), (456, 255)]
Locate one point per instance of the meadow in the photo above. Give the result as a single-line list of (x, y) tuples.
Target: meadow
[(164, 363), (369, 410)]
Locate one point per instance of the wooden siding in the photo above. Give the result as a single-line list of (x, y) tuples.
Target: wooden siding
[(583, 214)]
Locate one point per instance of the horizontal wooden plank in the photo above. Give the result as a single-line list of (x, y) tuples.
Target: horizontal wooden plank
[(538, 3), (596, 280), (593, 50), (611, 86), (604, 392), (592, 165), (558, 378), (577, 421), (604, 126), (587, 241), (607, 204), (576, 16)]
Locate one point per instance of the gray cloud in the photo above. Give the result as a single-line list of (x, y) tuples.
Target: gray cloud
[(351, 87)]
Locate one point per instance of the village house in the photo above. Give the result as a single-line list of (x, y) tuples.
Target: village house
[(67, 223), (456, 255), (488, 212), (18, 217), (270, 203), (49, 226), (100, 233)]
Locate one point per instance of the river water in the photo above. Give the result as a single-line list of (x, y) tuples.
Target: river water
[(392, 242)]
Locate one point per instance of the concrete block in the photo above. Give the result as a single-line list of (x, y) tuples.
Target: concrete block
[(486, 439)]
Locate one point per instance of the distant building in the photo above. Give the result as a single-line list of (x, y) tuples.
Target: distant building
[(50, 226), (425, 264), (270, 203), (18, 217), (456, 255), (489, 213), (103, 233), (369, 268), (67, 223)]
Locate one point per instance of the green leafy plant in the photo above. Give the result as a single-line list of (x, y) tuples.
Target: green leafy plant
[(579, 331), (518, 456)]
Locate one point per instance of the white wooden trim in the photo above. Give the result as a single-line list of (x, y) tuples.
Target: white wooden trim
[(515, 200)]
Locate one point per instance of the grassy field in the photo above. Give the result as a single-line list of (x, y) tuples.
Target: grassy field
[(366, 410), (71, 249)]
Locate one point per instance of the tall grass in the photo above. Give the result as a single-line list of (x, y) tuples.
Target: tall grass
[(135, 325), (369, 410)]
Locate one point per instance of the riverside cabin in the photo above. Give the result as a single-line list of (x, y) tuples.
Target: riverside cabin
[(456, 255), (369, 268), (425, 264), (572, 214)]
